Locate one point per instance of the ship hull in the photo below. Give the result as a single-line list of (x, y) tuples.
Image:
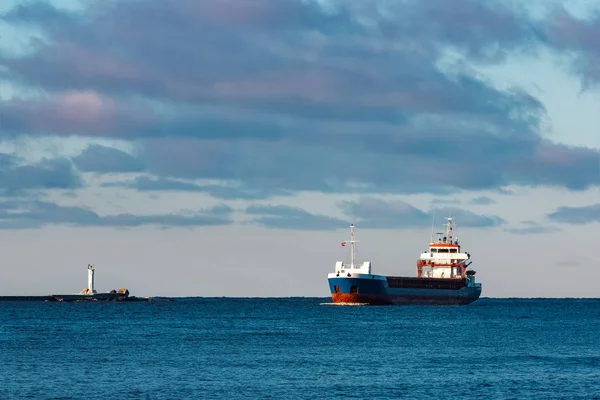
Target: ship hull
[(382, 290)]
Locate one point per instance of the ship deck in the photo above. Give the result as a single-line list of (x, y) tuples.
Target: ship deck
[(402, 282)]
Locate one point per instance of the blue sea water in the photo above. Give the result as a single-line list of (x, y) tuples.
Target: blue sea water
[(299, 348)]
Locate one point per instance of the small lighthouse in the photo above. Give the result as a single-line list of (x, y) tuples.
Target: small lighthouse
[(91, 279)]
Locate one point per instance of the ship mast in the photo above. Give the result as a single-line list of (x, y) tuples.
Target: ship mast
[(449, 230), (352, 242), (352, 246)]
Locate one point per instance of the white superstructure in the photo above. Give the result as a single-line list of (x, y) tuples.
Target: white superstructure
[(444, 258)]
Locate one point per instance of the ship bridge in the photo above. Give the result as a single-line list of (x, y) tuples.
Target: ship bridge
[(444, 258)]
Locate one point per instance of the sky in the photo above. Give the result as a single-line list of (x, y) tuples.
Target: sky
[(223, 147)]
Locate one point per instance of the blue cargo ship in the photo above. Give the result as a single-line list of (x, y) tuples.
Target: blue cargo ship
[(442, 277)]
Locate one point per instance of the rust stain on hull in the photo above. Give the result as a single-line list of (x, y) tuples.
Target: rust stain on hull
[(358, 298)]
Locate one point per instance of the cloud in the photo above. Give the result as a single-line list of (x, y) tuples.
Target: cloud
[(446, 201), (144, 183), (73, 112), (568, 263), (296, 54), (224, 192), (37, 214), (533, 228), (286, 217), (70, 195), (305, 69), (390, 168), (56, 173), (244, 193), (279, 97), (470, 219), (374, 213), (576, 215), (482, 200), (37, 11), (102, 159), (579, 38), (380, 214), (505, 191)]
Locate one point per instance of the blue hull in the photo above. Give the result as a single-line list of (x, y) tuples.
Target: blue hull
[(376, 290)]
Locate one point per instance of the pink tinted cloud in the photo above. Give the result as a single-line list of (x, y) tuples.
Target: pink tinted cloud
[(80, 113)]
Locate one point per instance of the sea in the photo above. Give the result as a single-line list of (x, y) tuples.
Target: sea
[(300, 348)]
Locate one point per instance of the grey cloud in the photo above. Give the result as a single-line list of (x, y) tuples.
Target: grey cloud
[(486, 30), (380, 164), (102, 159), (37, 214), (95, 114), (533, 228), (576, 215), (445, 201), (36, 12), (567, 33), (380, 214), (322, 64), (144, 183), (57, 173), (482, 200), (220, 209), (370, 212), (335, 99), (505, 191), (286, 217), (165, 221), (224, 192), (568, 263), (244, 193), (467, 218)]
